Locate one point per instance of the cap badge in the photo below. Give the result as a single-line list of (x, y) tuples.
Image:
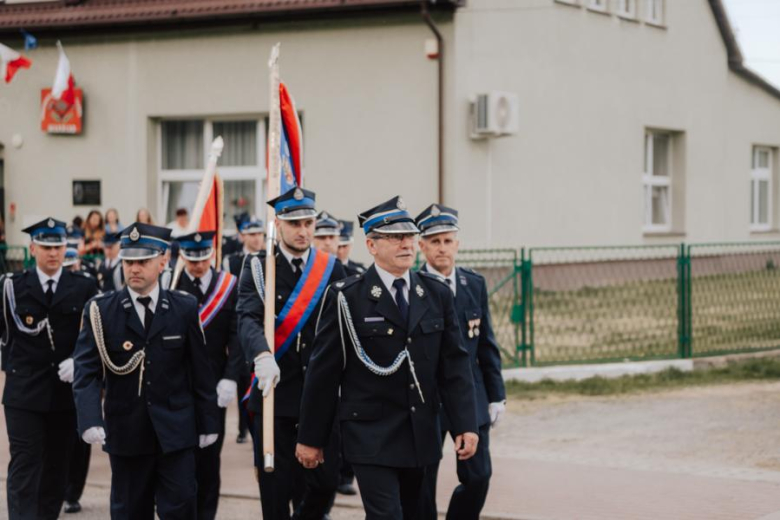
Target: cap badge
[(198, 238), (376, 291), (50, 223), (420, 292), (298, 195), (435, 211), (134, 234), (400, 204), (325, 216), (127, 345)]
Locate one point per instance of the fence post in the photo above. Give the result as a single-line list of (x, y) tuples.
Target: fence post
[(683, 302), (519, 310), (528, 298)]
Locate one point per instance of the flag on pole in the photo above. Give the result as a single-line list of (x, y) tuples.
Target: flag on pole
[(291, 142), (30, 41), (211, 219), (10, 62), (64, 87)]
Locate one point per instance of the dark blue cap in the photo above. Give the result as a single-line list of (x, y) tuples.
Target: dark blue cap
[(111, 238), (251, 225), (389, 217), (326, 225), (48, 232), (296, 204), (240, 218), (196, 246), (346, 231), (437, 219), (74, 235), (142, 241), (71, 257)]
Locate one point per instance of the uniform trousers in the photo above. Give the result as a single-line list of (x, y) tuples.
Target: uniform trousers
[(165, 480), (244, 380), (309, 490), (40, 445), (390, 493), (79, 468), (208, 462), (469, 496)]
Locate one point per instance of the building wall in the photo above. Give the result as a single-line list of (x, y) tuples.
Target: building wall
[(589, 85)]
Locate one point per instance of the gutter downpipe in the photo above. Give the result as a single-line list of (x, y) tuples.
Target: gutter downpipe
[(440, 58)]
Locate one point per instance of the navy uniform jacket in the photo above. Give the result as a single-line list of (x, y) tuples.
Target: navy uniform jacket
[(353, 268), (234, 263), (30, 364), (178, 394), (471, 303), (383, 419), (107, 278), (224, 351), (293, 363)]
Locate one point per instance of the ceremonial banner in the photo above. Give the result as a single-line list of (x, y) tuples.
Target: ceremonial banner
[(291, 142), (60, 117), (211, 220)]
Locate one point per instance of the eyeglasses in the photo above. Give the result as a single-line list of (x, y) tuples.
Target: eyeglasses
[(395, 238)]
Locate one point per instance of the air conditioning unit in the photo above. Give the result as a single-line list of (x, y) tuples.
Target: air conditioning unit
[(494, 114)]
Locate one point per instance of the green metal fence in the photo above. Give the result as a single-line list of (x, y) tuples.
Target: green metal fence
[(598, 304), (13, 258)]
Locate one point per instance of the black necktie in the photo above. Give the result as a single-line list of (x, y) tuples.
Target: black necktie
[(400, 300), (449, 284), (49, 292), (198, 289), (148, 314), (298, 265)]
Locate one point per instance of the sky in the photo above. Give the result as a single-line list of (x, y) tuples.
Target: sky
[(757, 26)]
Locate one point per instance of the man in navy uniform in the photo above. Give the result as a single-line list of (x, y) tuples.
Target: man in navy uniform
[(439, 244), (217, 294), (42, 309), (346, 239), (302, 274), (109, 272), (389, 349), (252, 234), (143, 348), (326, 233)]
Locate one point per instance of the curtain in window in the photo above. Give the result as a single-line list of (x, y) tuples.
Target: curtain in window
[(240, 142), (182, 145), (180, 195)]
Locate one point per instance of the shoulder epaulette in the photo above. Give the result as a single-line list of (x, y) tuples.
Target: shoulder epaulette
[(83, 274), (346, 282), (470, 271), (432, 276)]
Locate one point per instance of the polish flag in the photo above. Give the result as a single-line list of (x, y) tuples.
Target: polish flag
[(10, 62), (64, 85)]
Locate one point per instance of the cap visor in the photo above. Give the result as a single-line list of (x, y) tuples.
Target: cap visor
[(395, 228), (326, 232), (138, 253), (197, 255), (298, 214), (51, 242), (435, 230)]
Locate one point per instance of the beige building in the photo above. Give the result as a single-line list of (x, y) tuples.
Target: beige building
[(625, 121)]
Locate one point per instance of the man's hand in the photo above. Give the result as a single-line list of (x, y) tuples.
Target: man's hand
[(65, 372), (226, 392), (94, 435), (466, 445), (267, 372), (204, 441), (309, 457), (496, 410)]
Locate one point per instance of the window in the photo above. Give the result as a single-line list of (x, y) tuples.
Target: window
[(657, 180), (654, 12), (598, 5), (184, 148), (626, 8), (761, 189)]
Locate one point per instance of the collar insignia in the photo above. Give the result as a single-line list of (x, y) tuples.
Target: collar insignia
[(419, 291), (376, 291)]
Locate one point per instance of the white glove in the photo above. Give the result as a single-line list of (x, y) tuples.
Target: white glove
[(66, 371), (204, 441), (95, 435), (226, 392), (496, 410), (267, 372)]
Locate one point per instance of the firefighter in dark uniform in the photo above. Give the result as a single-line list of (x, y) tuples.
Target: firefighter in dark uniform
[(143, 347), (217, 293), (252, 232), (346, 239), (75, 243), (439, 244), (326, 233), (41, 313), (388, 351), (109, 274), (298, 265)]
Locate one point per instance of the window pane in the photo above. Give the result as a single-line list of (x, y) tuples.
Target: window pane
[(753, 202), (180, 195), (660, 205), (661, 155), (763, 159), (763, 202), (182, 145), (239, 198), (240, 142)]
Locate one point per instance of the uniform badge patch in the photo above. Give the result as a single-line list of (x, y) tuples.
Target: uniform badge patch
[(389, 332), (376, 291), (127, 345), (420, 292), (29, 320)]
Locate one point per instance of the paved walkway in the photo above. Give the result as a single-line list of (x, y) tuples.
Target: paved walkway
[(583, 459)]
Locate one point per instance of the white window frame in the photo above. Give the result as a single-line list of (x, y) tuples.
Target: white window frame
[(627, 9), (758, 174), (650, 181), (257, 173), (569, 2), (655, 12), (601, 6)]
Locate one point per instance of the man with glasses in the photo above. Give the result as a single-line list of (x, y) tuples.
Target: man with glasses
[(143, 350), (388, 351), (439, 244), (42, 309)]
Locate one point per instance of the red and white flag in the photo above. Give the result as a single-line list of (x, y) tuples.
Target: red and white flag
[(64, 86), (10, 62)]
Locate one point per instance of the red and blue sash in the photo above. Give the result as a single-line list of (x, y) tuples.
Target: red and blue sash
[(217, 298)]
